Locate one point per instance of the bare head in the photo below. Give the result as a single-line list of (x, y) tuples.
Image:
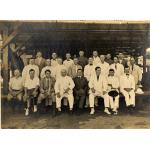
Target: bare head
[(121, 56), (32, 73), (59, 60), (102, 58), (68, 56), (90, 61), (95, 53), (111, 72), (75, 60), (17, 73), (47, 73), (39, 54), (48, 62), (115, 60), (132, 61), (63, 72), (98, 71), (81, 53), (54, 55), (108, 56), (79, 72), (126, 70)]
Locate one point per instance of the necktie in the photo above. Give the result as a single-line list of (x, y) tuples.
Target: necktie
[(116, 66), (132, 67), (97, 77)]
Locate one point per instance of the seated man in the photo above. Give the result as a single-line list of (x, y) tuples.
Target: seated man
[(31, 91), (98, 88), (64, 89), (47, 90), (80, 90), (127, 88), (113, 91), (15, 89)]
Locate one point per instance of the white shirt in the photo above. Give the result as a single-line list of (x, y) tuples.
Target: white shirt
[(99, 85), (54, 62), (96, 60), (16, 83), (64, 83), (42, 75), (114, 81), (26, 69), (58, 69), (136, 72), (88, 71), (31, 84), (68, 63), (104, 68), (127, 82), (118, 68)]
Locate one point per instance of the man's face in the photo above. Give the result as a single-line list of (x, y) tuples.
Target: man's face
[(120, 55), (95, 53), (132, 61), (102, 58), (48, 62), (126, 70), (31, 61), (98, 71), (32, 73), (115, 60), (108, 56), (54, 55), (47, 74), (75, 61), (39, 54), (63, 73), (79, 73), (90, 61), (81, 53), (111, 73), (16, 73), (68, 56), (59, 61)]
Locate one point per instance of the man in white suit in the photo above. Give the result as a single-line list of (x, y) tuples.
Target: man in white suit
[(96, 58), (64, 89), (98, 88), (118, 68), (127, 88)]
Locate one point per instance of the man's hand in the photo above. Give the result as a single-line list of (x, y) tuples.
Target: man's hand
[(58, 95), (104, 92), (93, 90)]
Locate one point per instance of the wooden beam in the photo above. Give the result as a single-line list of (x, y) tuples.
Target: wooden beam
[(5, 65)]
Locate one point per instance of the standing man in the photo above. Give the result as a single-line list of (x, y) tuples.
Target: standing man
[(47, 91), (64, 89), (31, 91), (80, 90), (27, 68), (68, 62), (104, 66), (117, 67), (98, 88), (54, 62), (39, 61), (82, 59), (135, 70), (74, 68), (96, 59), (113, 91), (58, 68), (127, 88), (48, 67), (15, 94), (108, 59)]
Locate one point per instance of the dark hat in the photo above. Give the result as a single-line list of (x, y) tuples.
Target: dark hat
[(113, 93)]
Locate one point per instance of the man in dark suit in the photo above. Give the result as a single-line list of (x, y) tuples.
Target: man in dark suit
[(80, 89)]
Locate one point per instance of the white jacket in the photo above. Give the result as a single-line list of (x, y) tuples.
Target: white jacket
[(99, 85), (96, 60), (119, 70), (63, 83), (68, 64), (57, 70), (114, 81), (104, 68), (88, 71), (127, 82)]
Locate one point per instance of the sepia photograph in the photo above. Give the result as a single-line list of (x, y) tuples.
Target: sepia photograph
[(75, 74)]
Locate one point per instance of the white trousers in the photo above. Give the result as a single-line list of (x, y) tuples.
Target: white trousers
[(69, 97), (114, 104), (92, 97), (129, 97)]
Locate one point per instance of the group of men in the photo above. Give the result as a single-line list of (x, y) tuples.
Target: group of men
[(79, 82)]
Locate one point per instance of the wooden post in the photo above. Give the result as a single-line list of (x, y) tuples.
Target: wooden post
[(5, 64)]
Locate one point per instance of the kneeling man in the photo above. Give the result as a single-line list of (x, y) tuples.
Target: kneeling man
[(64, 89), (98, 88)]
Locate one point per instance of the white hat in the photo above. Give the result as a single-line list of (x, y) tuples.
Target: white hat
[(139, 91)]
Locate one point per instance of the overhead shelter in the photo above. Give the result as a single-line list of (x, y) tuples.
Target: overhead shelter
[(132, 37)]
